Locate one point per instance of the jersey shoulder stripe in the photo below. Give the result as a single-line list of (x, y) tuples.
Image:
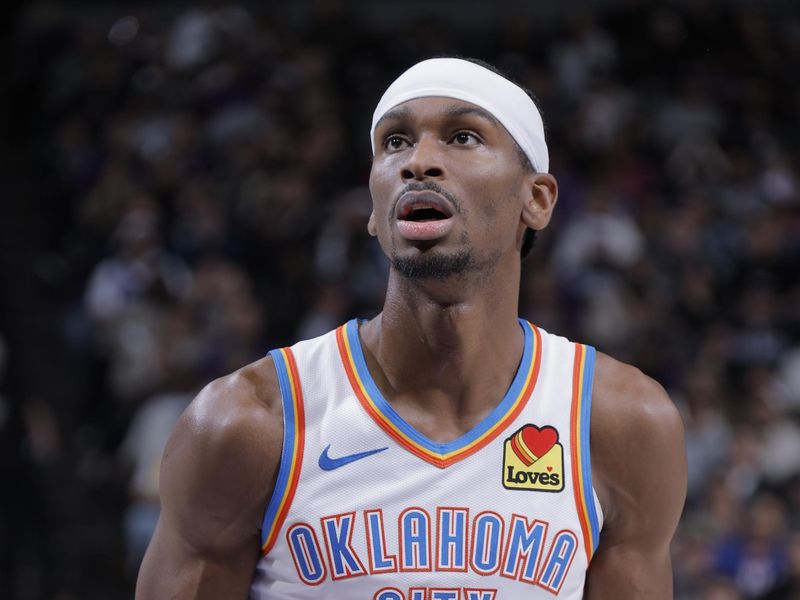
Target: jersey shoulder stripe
[(292, 452), (580, 425)]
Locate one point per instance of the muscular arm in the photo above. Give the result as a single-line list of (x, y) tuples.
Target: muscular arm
[(639, 466), (217, 475)]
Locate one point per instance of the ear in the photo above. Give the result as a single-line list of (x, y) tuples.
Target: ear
[(371, 228), (540, 200)]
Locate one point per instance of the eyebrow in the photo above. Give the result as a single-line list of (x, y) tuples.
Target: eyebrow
[(460, 111), (402, 112), (396, 114)]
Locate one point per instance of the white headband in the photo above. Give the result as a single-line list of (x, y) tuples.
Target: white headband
[(467, 81)]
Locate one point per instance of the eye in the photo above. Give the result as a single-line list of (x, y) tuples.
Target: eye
[(394, 142), (465, 138)]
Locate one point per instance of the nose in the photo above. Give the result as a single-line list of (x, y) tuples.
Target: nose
[(424, 162)]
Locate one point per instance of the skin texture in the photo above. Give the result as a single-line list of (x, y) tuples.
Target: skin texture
[(443, 351)]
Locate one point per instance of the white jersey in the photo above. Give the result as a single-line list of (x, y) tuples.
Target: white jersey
[(366, 507)]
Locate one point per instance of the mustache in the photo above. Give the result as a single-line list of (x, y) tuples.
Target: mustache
[(423, 186)]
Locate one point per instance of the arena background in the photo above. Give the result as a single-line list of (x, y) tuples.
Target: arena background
[(184, 189)]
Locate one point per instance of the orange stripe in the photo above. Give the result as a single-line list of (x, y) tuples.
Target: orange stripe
[(575, 429), (438, 460), (524, 447), (299, 444), (361, 393), (522, 450)]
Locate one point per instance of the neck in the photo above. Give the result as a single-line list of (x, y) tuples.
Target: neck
[(446, 349)]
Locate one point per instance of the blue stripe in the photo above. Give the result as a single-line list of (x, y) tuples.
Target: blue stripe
[(586, 459), (480, 429), (288, 444)]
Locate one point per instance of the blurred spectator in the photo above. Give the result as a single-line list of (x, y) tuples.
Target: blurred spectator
[(708, 431), (227, 320), (124, 295), (789, 588), (585, 51), (757, 559)]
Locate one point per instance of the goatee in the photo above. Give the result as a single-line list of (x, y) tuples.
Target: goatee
[(434, 266)]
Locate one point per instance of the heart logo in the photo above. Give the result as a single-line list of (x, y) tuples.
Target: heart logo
[(531, 442)]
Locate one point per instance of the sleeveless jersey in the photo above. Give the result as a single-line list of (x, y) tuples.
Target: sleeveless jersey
[(366, 507)]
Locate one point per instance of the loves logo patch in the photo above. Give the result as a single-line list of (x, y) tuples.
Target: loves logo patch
[(534, 460), (531, 442)]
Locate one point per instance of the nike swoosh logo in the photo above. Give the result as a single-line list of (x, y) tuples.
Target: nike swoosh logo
[(327, 463)]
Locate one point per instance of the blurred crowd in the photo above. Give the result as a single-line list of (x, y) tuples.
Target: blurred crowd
[(204, 171)]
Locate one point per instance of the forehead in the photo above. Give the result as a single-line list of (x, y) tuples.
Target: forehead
[(436, 108)]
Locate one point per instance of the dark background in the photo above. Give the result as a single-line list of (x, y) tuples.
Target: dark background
[(184, 188)]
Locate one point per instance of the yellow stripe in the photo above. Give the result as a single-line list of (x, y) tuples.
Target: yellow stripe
[(400, 432), (287, 491), (532, 458), (346, 338), (578, 439)]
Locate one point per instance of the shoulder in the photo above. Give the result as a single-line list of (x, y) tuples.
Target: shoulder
[(239, 412), (220, 462), (639, 473), (235, 404), (625, 397), (637, 439)]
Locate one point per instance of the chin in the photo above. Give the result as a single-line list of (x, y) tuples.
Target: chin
[(434, 265)]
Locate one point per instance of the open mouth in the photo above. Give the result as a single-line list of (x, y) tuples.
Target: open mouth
[(424, 216), (425, 213), (423, 207)]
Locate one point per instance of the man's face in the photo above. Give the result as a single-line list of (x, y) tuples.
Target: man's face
[(448, 188)]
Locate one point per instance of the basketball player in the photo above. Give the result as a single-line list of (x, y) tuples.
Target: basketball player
[(446, 449)]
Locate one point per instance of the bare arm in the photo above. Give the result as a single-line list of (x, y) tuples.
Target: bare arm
[(217, 475), (639, 466)]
